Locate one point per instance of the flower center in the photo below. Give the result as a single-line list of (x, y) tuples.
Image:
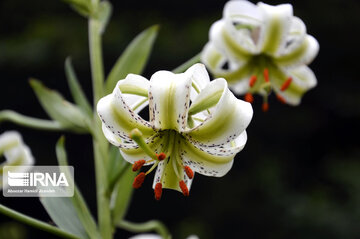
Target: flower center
[(263, 72), (169, 152)]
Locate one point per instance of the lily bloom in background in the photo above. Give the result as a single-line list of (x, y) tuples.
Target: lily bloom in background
[(16, 153), (195, 126), (260, 49)]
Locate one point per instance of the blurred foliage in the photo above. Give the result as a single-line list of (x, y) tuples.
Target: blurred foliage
[(299, 174)]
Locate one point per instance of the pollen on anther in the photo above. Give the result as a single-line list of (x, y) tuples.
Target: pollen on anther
[(161, 156), (189, 172), (265, 106), (184, 188), (158, 191), (266, 75), (286, 84), (252, 80), (138, 164), (249, 97), (281, 99), (139, 179)]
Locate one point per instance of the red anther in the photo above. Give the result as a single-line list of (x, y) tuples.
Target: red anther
[(266, 75), (249, 97), (265, 106), (138, 164), (252, 80), (158, 191), (281, 99), (184, 188), (139, 179), (161, 156), (189, 172), (286, 84)]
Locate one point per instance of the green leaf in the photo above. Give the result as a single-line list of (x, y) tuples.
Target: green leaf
[(78, 202), (134, 58), (75, 88), (83, 7), (66, 113), (105, 10), (121, 196), (63, 213)]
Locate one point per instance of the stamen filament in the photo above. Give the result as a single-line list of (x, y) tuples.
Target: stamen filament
[(152, 168)]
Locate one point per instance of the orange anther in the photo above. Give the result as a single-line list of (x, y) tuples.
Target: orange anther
[(281, 99), (189, 172), (161, 156), (265, 106), (184, 188), (138, 181), (252, 80), (138, 164), (249, 97), (286, 84), (158, 191), (266, 75)]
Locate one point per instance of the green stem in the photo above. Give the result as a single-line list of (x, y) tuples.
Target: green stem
[(152, 225), (14, 117), (99, 143), (35, 223), (186, 65)]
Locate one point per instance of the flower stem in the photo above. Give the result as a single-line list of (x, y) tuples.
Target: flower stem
[(145, 227), (99, 143), (186, 65), (14, 117), (35, 223)]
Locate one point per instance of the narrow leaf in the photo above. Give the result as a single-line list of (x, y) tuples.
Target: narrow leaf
[(66, 113), (105, 10), (134, 58), (79, 204), (75, 88)]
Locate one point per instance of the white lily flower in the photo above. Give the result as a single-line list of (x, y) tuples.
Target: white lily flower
[(260, 47), (16, 153), (195, 125)]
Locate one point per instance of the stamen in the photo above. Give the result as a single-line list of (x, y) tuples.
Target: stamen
[(281, 99), (266, 75), (189, 172), (138, 181), (249, 97), (252, 80), (138, 164), (286, 84), (184, 188), (136, 135), (265, 106), (161, 156), (158, 191)]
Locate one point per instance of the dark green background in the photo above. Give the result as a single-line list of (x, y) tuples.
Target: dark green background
[(299, 174)]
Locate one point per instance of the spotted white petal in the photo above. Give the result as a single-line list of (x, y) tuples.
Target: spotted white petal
[(118, 116), (169, 97), (302, 55), (303, 79), (227, 121), (276, 26)]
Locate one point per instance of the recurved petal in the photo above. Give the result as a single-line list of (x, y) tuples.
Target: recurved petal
[(8, 140), (276, 26), (303, 79), (205, 163), (228, 119), (118, 116), (169, 97), (199, 79), (242, 10), (304, 54)]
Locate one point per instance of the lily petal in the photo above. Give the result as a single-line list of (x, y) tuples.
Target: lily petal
[(199, 79), (119, 118), (277, 23), (303, 54), (303, 79), (228, 120), (169, 97)]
